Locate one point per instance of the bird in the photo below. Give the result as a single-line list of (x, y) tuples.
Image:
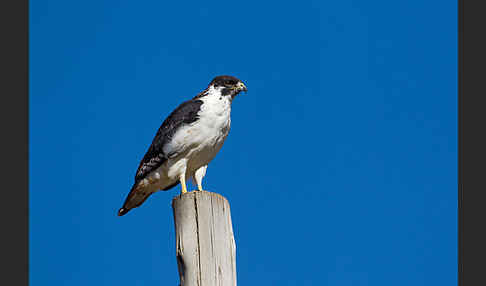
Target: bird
[(188, 139)]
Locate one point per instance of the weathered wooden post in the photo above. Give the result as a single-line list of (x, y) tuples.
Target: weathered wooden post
[(205, 245)]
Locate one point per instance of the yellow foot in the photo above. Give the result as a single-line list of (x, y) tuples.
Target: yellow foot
[(182, 180), (184, 190)]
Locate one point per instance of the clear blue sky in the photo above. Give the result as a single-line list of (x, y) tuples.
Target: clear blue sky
[(340, 166)]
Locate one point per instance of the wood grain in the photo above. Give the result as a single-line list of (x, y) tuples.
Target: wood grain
[(205, 245)]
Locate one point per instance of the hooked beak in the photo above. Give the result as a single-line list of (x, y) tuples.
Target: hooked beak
[(241, 87)]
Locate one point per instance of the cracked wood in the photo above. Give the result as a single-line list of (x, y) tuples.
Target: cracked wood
[(205, 245)]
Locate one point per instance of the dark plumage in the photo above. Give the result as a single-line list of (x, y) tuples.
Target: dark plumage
[(185, 113)]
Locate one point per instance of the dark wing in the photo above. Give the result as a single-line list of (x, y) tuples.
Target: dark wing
[(185, 113)]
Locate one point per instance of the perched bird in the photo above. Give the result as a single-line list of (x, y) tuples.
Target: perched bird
[(187, 141)]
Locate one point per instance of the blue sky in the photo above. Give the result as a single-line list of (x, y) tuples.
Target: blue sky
[(340, 166)]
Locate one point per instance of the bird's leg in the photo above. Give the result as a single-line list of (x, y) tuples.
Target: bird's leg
[(183, 183), (198, 176)]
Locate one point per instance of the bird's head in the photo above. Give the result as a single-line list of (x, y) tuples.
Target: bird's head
[(228, 85)]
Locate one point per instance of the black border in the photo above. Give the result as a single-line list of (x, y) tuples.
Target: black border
[(460, 210), (471, 144), (14, 152)]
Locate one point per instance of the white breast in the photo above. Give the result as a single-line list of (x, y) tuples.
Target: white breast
[(211, 130), (203, 139)]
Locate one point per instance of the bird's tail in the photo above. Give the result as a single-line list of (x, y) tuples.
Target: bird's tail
[(138, 194)]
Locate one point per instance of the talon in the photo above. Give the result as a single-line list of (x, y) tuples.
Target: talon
[(182, 180), (184, 189)]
